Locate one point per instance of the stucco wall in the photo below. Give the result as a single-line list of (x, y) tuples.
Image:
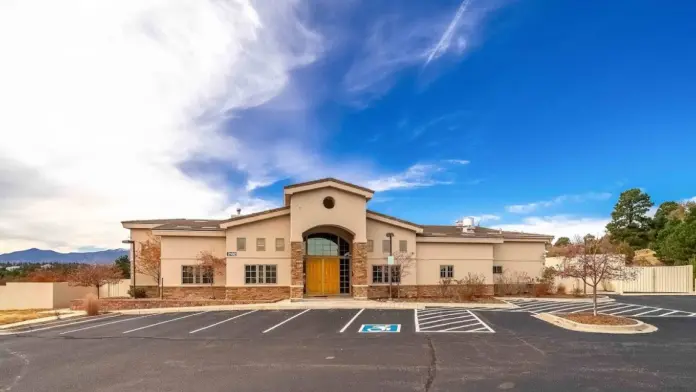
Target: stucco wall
[(474, 258), (377, 231), (40, 295), (178, 251), (308, 211), (269, 229), (527, 257), (140, 236)]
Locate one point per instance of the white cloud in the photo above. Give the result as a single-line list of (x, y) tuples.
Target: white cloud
[(443, 43), (531, 207), (103, 104), (486, 218), (560, 226), (458, 161), (397, 42), (416, 176)]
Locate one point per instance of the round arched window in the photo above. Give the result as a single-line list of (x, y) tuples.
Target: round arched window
[(329, 202)]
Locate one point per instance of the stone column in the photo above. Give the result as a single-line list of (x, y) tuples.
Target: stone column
[(358, 267), (296, 270)]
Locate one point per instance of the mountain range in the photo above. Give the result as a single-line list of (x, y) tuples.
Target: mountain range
[(34, 255)]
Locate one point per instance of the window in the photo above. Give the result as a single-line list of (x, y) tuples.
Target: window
[(497, 269), (385, 246), (329, 202), (260, 274), (196, 274), (446, 271), (260, 244), (370, 246), (380, 274), (280, 244), (403, 246), (241, 243), (325, 244)]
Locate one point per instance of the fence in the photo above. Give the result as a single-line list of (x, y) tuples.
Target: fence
[(119, 289), (675, 279)]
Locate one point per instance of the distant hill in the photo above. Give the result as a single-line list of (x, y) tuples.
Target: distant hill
[(48, 256)]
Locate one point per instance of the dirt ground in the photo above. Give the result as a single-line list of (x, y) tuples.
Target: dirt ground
[(15, 316), (601, 319)]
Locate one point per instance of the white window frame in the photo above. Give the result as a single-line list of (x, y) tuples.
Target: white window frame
[(383, 274), (260, 244), (499, 268), (260, 274), (243, 242), (448, 269), (198, 274)]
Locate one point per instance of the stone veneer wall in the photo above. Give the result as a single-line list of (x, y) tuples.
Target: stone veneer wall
[(265, 293), (358, 269), (271, 293), (110, 304), (296, 269), (412, 291), (193, 292)]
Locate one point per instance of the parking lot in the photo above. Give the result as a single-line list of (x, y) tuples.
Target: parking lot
[(433, 349)]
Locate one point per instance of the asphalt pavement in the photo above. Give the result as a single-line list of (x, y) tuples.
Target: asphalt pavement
[(344, 350)]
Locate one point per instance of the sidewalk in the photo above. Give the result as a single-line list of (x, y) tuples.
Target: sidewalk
[(323, 304)]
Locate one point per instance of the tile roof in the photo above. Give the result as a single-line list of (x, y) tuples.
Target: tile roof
[(328, 179), (394, 218), (234, 218)]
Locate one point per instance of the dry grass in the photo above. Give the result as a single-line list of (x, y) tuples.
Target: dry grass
[(16, 316), (600, 319), (646, 257), (91, 305)]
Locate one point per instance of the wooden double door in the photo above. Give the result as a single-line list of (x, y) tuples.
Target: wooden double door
[(322, 275)]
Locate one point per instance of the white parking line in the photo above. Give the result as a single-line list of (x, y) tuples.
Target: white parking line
[(628, 310), (351, 321), (223, 321), (454, 322), (484, 324), (62, 325), (102, 324), (604, 308), (649, 311), (453, 318), (285, 321), (438, 316), (415, 320), (440, 311), (544, 308), (568, 308), (672, 312), (164, 322)]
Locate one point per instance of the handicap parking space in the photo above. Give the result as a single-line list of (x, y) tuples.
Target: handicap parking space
[(450, 320)]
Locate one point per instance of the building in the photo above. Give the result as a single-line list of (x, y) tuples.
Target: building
[(325, 241)]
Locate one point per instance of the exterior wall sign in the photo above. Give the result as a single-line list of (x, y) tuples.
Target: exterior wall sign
[(231, 254)]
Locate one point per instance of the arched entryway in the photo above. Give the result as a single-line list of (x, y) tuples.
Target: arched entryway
[(327, 261)]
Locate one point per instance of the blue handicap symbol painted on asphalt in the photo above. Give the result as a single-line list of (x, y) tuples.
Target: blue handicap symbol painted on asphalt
[(380, 328)]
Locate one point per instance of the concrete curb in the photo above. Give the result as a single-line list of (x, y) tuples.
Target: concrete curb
[(599, 299), (283, 305), (639, 327), (62, 316)]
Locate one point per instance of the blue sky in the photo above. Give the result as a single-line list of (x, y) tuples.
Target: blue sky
[(563, 103), (531, 115)]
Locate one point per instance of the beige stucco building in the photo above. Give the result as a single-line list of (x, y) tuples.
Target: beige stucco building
[(325, 241)]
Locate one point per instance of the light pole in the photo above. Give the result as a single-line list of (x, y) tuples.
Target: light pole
[(132, 243), (389, 266)]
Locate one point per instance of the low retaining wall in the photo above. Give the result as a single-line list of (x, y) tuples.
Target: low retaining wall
[(111, 304), (416, 291)]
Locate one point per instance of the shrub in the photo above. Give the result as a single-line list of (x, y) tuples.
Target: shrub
[(140, 292), (444, 287), (541, 289), (577, 291), (473, 286), (91, 305), (561, 289)]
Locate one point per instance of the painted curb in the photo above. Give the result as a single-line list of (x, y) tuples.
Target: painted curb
[(639, 327)]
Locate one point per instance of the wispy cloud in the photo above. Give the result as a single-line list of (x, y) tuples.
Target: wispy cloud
[(397, 42), (445, 121), (445, 40), (458, 161), (560, 225), (531, 207), (416, 176)]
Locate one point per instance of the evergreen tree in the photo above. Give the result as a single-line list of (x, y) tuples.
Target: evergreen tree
[(629, 220)]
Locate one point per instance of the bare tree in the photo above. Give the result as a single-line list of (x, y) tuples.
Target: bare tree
[(402, 267), (212, 265), (149, 260), (94, 276), (593, 261)]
